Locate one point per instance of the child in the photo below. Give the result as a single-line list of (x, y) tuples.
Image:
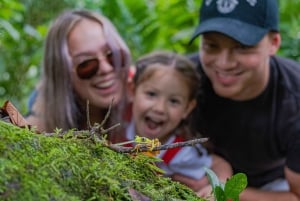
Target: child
[(164, 91)]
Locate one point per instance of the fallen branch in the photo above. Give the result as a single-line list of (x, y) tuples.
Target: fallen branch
[(146, 148)]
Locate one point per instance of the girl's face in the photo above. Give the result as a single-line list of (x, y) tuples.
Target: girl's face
[(160, 103), (87, 42), (236, 71)]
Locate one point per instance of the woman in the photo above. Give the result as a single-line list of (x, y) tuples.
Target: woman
[(85, 60)]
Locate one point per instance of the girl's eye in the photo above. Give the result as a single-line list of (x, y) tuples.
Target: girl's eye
[(150, 93), (174, 101)]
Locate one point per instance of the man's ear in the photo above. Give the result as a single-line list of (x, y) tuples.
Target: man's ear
[(192, 104), (275, 39)]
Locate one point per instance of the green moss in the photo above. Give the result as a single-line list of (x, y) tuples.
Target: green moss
[(37, 167)]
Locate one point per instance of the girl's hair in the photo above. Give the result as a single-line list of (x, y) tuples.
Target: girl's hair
[(148, 64), (58, 103), (172, 60)]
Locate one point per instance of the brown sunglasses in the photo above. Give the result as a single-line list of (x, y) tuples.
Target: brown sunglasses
[(88, 68)]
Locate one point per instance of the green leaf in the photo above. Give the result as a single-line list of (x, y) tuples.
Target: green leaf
[(10, 29), (212, 178), (235, 185), (219, 194)]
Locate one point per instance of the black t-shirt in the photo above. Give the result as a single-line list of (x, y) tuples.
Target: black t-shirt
[(260, 136)]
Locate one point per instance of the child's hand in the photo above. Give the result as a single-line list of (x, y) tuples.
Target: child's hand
[(206, 192)]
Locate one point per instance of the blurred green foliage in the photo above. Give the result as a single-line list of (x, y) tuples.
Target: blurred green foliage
[(144, 24)]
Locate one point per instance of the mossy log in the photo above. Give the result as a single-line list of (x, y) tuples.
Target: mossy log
[(38, 167)]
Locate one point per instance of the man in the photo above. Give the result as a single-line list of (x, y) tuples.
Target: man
[(250, 101)]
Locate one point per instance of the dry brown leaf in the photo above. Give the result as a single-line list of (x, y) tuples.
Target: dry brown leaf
[(14, 115)]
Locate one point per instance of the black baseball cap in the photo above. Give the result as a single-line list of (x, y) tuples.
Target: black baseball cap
[(246, 21)]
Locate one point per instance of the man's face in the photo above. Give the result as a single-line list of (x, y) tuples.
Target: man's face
[(237, 71)]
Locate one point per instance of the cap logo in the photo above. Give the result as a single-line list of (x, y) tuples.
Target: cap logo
[(252, 2), (227, 6)]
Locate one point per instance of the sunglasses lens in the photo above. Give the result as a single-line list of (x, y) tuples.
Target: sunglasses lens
[(87, 69), (109, 58)]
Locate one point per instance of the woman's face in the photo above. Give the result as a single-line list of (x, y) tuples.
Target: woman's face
[(89, 50)]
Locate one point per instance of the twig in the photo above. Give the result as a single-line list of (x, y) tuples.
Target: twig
[(97, 129), (104, 131), (146, 148), (107, 114), (88, 115)]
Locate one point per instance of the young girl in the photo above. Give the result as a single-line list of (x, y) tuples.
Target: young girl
[(164, 91)]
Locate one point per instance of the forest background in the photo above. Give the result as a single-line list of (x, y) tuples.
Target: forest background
[(145, 25)]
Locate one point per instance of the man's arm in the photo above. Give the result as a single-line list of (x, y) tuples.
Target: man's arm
[(293, 178)]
